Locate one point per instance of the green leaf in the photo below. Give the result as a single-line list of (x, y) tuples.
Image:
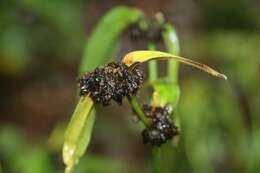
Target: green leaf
[(102, 43), (168, 92), (78, 133)]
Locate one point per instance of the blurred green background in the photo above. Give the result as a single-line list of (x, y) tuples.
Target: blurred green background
[(41, 45)]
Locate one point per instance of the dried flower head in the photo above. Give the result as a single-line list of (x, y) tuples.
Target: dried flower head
[(162, 128), (113, 81)]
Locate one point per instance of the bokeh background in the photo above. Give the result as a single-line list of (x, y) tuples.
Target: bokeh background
[(41, 45)]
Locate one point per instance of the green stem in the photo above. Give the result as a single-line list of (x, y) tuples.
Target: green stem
[(156, 162), (152, 65), (138, 111), (171, 42), (156, 151)]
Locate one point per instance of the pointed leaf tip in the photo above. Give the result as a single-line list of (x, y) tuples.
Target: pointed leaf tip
[(222, 76), (141, 56)]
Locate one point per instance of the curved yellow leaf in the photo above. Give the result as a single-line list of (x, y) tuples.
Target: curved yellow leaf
[(78, 133), (141, 56)]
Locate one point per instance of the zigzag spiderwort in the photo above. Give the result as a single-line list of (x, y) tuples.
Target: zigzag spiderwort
[(114, 82)]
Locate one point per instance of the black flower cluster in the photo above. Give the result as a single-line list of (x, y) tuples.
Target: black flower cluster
[(153, 33), (162, 127), (113, 81)]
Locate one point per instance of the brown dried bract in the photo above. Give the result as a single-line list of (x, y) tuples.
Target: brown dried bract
[(162, 128), (113, 81)]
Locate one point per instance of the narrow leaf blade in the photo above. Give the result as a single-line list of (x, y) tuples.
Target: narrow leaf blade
[(103, 41), (141, 56), (78, 133)]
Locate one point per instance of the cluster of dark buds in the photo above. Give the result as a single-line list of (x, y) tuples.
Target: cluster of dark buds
[(162, 128), (113, 81), (151, 31)]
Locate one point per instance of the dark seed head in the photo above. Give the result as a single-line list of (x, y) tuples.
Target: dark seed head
[(113, 81), (162, 128), (152, 31), (136, 33)]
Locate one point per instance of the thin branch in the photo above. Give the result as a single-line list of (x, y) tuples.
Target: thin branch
[(137, 108)]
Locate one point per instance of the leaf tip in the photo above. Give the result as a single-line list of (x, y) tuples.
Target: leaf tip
[(222, 76), (68, 169)]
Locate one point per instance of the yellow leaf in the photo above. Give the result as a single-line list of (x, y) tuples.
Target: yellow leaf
[(78, 133), (141, 56)]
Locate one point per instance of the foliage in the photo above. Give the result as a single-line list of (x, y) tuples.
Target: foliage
[(79, 130), (219, 120)]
